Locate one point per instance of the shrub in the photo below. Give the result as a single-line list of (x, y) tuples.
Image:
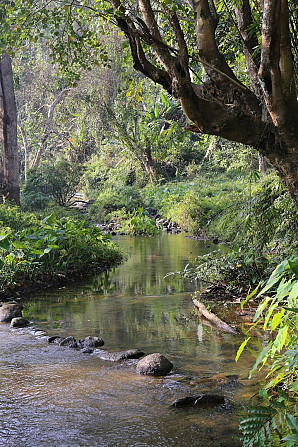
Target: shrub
[(57, 183), (52, 248), (126, 198), (139, 223)]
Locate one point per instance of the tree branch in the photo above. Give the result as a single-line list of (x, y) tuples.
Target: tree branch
[(47, 127)]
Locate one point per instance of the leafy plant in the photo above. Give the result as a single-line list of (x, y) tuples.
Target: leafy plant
[(57, 182), (139, 223), (51, 249), (277, 312)]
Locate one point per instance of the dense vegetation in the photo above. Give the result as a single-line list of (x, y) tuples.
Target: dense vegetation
[(38, 252), (122, 144)]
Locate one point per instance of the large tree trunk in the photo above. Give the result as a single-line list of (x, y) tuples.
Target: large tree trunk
[(264, 116), (8, 133)]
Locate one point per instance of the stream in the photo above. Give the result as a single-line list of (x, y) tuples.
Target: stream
[(60, 397)]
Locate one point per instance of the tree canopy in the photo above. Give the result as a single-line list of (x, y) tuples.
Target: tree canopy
[(230, 64)]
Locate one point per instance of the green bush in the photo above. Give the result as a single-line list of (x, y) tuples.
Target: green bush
[(49, 183), (10, 216), (51, 249), (126, 198), (139, 223)]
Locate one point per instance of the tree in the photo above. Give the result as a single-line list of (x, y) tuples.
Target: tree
[(264, 116), (177, 44), (9, 171)]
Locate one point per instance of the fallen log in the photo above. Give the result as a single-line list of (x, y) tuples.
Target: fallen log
[(215, 322)]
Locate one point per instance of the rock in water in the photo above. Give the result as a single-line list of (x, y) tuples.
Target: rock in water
[(70, 342), (154, 365), (55, 339), (199, 400), (8, 311), (121, 355), (19, 322), (90, 342)]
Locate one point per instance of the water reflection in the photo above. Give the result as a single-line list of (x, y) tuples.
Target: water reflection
[(61, 397)]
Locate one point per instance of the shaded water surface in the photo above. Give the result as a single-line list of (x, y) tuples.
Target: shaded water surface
[(55, 396)]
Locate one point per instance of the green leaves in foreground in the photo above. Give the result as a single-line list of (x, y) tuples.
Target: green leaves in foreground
[(275, 423)]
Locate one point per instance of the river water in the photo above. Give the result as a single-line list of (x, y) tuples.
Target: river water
[(60, 397)]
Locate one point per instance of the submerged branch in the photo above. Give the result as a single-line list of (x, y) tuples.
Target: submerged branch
[(213, 319)]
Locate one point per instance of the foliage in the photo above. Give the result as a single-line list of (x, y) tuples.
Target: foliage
[(51, 249), (270, 219), (10, 216), (127, 198), (277, 313), (201, 204), (139, 223), (57, 182), (236, 267)]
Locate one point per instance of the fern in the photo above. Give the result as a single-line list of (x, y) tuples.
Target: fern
[(257, 427)]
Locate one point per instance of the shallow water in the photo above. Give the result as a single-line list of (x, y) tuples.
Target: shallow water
[(56, 396)]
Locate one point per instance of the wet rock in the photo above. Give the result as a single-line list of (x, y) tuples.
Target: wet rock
[(70, 342), (87, 350), (55, 339), (8, 311), (121, 355), (19, 322), (199, 400), (90, 342), (154, 365)]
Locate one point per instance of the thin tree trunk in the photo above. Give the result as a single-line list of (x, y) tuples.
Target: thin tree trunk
[(8, 133), (26, 149), (47, 128), (262, 163)]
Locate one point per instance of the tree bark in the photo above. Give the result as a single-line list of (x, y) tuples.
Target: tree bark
[(8, 133)]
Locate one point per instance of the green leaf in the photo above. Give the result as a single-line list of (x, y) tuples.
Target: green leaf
[(294, 267), (294, 292), (253, 293), (281, 338), (293, 438), (277, 319), (50, 220), (240, 349), (291, 309), (4, 242), (292, 423), (262, 357), (295, 386)]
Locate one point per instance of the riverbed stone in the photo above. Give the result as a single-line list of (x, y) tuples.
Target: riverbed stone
[(90, 342), (55, 339), (19, 322), (8, 311), (154, 365), (121, 355), (70, 342), (200, 400)]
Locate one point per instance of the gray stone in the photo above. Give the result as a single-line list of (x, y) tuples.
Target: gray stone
[(121, 355), (55, 339), (70, 342), (90, 342), (19, 322), (154, 365), (8, 311)]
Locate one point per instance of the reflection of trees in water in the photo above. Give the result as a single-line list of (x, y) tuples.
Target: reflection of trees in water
[(149, 260), (132, 304)]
